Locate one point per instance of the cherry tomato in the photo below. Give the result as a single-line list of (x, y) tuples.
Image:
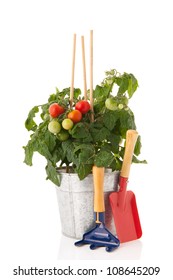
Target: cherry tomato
[(111, 104), (55, 110), (54, 127), (63, 135), (120, 106), (75, 116), (67, 124), (83, 106)]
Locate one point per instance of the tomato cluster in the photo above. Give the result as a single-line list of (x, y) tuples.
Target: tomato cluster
[(60, 128), (118, 102)]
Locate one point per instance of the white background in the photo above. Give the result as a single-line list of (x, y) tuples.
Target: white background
[(35, 57)]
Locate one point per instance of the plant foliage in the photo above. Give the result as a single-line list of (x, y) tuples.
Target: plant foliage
[(100, 142)]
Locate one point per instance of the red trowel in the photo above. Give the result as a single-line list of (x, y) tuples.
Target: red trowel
[(123, 202)]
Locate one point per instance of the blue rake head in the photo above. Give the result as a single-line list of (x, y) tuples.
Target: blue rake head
[(99, 237)]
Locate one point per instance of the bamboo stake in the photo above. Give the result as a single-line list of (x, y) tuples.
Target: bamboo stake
[(72, 74), (91, 75), (84, 67)]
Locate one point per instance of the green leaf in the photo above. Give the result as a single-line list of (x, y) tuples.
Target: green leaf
[(83, 170), (85, 152), (123, 83), (52, 98), (43, 126), (68, 149), (42, 148), (81, 131), (110, 118), (136, 160), (119, 163), (115, 140), (52, 173), (44, 109), (40, 143), (101, 93), (127, 82), (66, 144), (99, 133), (57, 154), (133, 85), (104, 159), (28, 153), (30, 124), (57, 91), (77, 93), (85, 158), (138, 146), (50, 140), (99, 106), (64, 92), (83, 146), (106, 147), (126, 121), (118, 80)]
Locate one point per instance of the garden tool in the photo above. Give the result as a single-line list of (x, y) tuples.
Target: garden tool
[(99, 236), (123, 202)]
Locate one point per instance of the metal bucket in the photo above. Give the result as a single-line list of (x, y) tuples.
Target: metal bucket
[(76, 199)]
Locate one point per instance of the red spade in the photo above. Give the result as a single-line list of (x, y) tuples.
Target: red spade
[(123, 202)]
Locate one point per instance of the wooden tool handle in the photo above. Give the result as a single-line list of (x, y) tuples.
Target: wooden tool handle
[(98, 177), (131, 138)]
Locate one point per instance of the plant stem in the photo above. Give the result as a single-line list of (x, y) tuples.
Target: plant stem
[(67, 169)]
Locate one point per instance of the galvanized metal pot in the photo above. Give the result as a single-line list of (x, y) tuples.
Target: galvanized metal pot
[(76, 199)]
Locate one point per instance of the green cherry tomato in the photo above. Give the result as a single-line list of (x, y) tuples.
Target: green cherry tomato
[(67, 124), (120, 106), (63, 135), (111, 104), (54, 127)]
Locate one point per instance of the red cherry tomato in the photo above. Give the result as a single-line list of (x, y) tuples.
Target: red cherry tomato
[(83, 106), (75, 116), (55, 110)]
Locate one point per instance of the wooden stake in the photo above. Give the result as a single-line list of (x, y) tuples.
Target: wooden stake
[(91, 75), (72, 74), (84, 67)]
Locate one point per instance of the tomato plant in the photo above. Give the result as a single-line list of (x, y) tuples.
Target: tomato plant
[(65, 136)]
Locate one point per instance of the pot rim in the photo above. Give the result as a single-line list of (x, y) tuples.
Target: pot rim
[(63, 172)]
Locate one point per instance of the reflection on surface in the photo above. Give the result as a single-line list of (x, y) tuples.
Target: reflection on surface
[(127, 251)]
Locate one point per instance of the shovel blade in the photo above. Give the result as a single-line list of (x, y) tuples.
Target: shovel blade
[(127, 222)]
